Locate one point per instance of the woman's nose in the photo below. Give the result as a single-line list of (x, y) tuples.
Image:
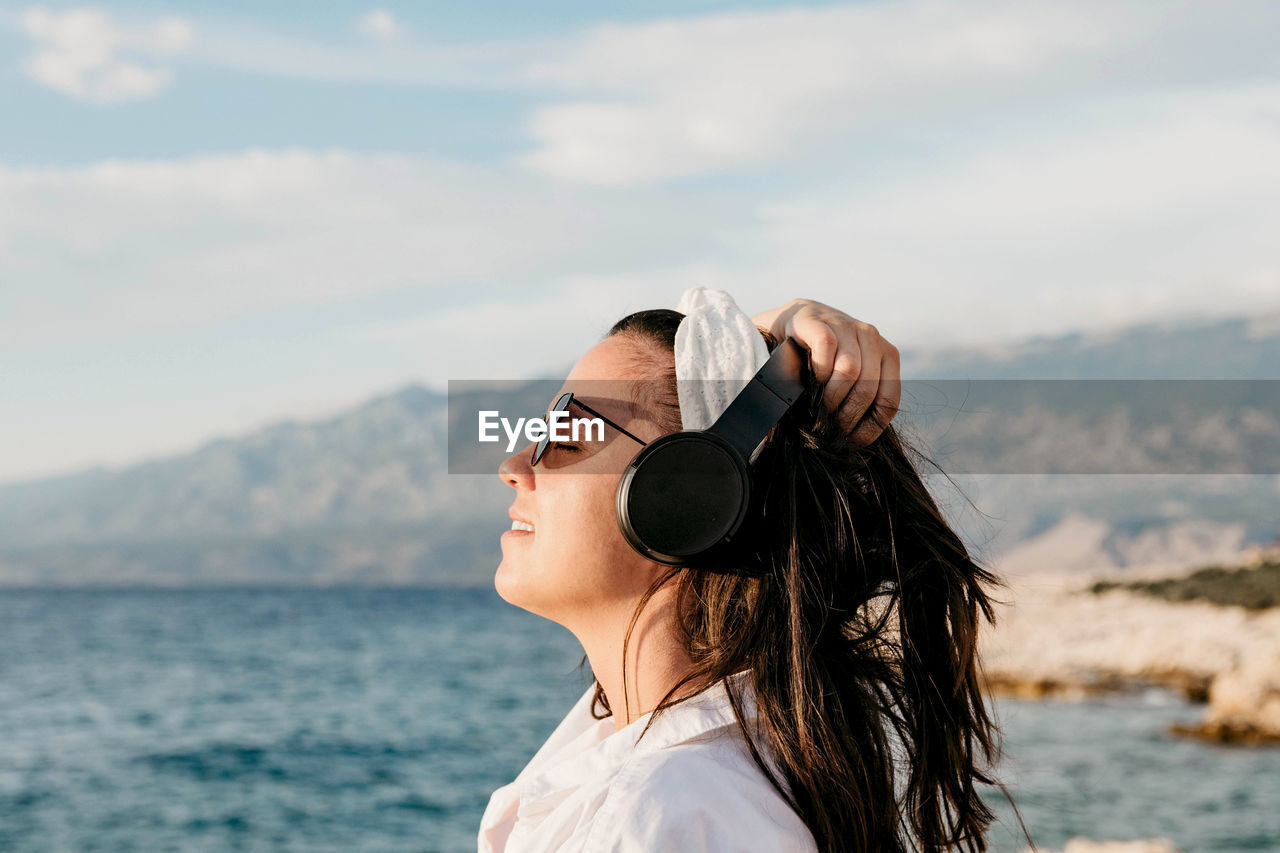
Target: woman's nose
[(516, 471)]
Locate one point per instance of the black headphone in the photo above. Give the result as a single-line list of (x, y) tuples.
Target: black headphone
[(684, 497)]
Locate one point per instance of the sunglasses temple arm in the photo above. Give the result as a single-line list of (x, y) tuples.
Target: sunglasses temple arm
[(592, 411)]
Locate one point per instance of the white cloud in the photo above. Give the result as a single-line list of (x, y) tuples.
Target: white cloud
[(125, 248), (686, 97), (1164, 214), (1172, 212), (952, 173), (165, 302), (785, 89), (84, 54), (380, 24), (537, 334)]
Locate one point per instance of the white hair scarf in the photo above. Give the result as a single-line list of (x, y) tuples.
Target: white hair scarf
[(718, 351)]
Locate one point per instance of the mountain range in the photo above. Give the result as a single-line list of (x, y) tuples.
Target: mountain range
[(365, 498)]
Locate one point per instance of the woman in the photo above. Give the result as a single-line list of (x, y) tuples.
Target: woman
[(824, 698)]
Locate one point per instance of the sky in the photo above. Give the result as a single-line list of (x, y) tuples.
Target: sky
[(214, 216)]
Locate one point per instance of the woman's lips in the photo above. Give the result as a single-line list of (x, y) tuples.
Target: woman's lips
[(519, 529)]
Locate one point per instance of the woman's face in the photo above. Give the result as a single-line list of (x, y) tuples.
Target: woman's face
[(576, 568)]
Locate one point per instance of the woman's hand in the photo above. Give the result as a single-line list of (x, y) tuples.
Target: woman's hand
[(859, 368)]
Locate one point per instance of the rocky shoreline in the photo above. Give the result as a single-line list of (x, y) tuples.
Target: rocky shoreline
[(1143, 845), (1073, 637)]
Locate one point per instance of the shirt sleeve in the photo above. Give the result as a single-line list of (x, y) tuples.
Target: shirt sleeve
[(696, 801)]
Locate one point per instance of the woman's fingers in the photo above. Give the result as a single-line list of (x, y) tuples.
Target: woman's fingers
[(847, 367), (845, 355), (864, 377), (888, 396), (823, 343), (857, 367)]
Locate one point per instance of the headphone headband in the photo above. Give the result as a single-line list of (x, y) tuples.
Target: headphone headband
[(684, 497), (762, 403)]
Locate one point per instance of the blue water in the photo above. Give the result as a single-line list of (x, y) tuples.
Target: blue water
[(378, 720)]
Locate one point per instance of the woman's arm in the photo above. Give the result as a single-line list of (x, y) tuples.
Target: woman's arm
[(860, 369)]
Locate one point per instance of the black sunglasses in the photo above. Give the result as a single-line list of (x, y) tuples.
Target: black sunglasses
[(562, 405)]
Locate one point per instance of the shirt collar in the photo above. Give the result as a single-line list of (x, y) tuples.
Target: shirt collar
[(583, 747)]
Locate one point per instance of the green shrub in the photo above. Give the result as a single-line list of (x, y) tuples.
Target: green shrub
[(1254, 587)]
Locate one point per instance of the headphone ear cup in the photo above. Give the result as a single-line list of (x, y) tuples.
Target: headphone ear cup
[(683, 495)]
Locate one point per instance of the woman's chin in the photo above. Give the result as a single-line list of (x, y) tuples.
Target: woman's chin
[(517, 590), (507, 582)]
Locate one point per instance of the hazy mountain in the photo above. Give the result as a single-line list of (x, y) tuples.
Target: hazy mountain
[(1238, 348), (364, 497), (361, 496)]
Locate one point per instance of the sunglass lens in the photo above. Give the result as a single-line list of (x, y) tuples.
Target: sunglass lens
[(545, 441)]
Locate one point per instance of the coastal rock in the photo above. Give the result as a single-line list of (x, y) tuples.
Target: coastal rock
[(1057, 639), (1143, 845), (1054, 639), (1244, 703)]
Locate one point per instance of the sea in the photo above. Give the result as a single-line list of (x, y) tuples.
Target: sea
[(355, 719)]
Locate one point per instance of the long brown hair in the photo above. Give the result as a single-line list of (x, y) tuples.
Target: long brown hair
[(858, 623)]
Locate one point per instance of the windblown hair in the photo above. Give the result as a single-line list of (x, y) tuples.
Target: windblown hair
[(858, 625)]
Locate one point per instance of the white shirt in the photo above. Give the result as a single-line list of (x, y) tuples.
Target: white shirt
[(689, 785)]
